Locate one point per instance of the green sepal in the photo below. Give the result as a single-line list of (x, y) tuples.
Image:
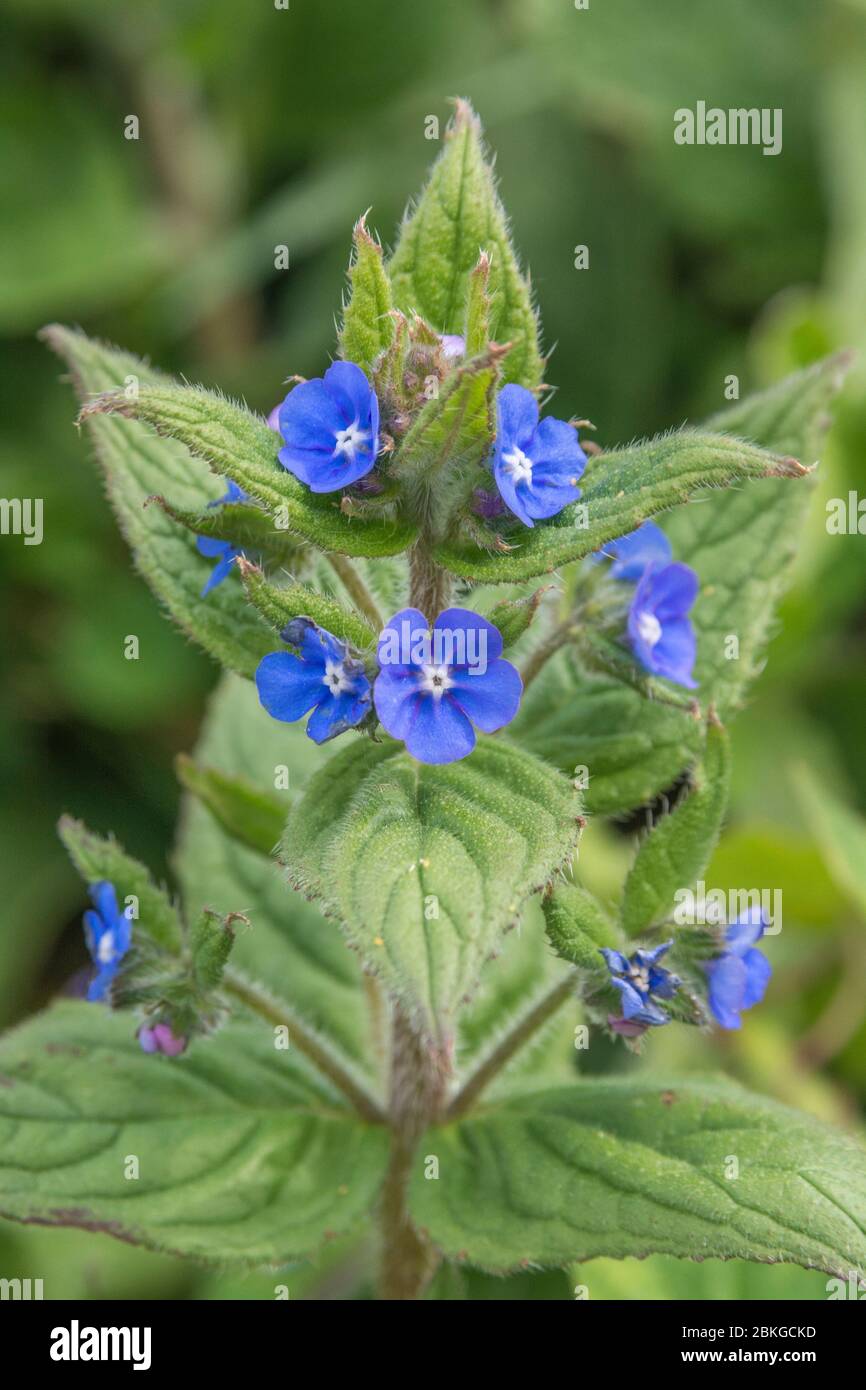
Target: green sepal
[(211, 938), (280, 606)]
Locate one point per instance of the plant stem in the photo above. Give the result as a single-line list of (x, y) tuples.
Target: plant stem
[(429, 584), (545, 650), (357, 589), (509, 1045), (261, 1003), (419, 1077)]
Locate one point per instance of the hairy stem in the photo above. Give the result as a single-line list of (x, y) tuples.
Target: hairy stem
[(356, 588), (278, 1014), (429, 584), (419, 1077), (510, 1045)]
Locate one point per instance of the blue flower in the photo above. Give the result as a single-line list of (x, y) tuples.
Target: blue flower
[(433, 687), (224, 552), (738, 978), (640, 980), (108, 933), (536, 465), (330, 429), (632, 554), (661, 635), (323, 677)]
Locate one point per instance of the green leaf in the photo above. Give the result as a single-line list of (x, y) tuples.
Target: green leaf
[(136, 466), (250, 814), (743, 543), (368, 327), (299, 957), (280, 605), (620, 491), (245, 525), (98, 858), (458, 213), (239, 445), (636, 1167), (678, 849), (578, 926), (386, 842), (839, 831), (450, 438), (243, 1153), (631, 747)]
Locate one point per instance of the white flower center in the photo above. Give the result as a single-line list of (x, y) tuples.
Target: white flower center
[(639, 977), (335, 678), (649, 628), (435, 680), (105, 949), (350, 439), (518, 465)]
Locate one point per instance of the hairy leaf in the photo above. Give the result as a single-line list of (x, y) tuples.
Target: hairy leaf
[(457, 214), (636, 1166), (138, 465), (578, 926), (620, 491), (678, 849), (248, 813), (279, 605), (427, 866), (239, 445), (289, 948), (244, 1154), (367, 323)]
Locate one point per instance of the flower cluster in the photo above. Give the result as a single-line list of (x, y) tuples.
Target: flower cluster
[(330, 432), (736, 977), (432, 689), (659, 629)]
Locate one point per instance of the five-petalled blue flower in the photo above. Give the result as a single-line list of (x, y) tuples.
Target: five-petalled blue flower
[(659, 629), (434, 686), (641, 980), (323, 677), (330, 429), (738, 977), (536, 464), (108, 933)]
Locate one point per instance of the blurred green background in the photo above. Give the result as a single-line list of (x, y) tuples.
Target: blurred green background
[(262, 127)]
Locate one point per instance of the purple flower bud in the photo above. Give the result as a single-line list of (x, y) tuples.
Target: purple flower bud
[(453, 345), (626, 1027), (487, 504), (160, 1038)]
